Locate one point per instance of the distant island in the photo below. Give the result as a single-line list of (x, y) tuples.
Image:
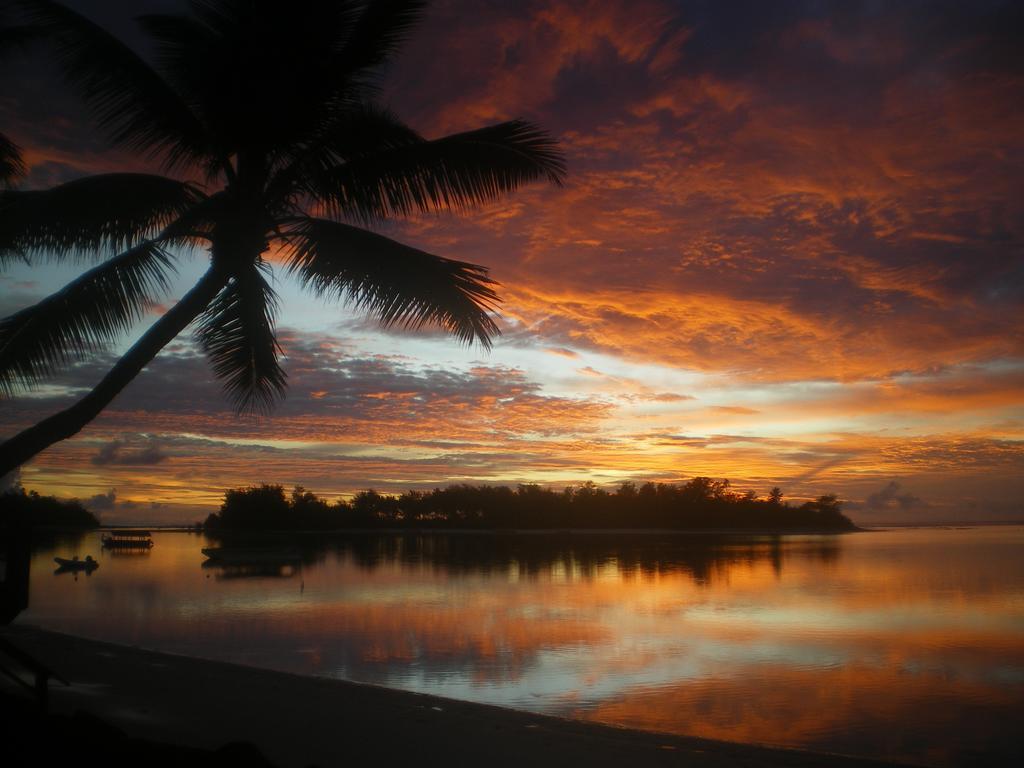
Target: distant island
[(19, 506), (700, 504)]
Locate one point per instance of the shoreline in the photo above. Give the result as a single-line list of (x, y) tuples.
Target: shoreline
[(495, 531), (299, 721)]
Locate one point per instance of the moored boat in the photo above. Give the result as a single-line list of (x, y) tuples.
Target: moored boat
[(128, 540), (74, 564)]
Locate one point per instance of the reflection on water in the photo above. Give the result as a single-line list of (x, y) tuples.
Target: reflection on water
[(905, 644)]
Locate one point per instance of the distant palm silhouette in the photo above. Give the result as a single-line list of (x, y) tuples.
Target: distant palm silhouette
[(270, 105)]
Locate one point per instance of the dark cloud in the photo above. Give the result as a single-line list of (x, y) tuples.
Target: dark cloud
[(102, 502), (331, 395), (819, 467), (890, 496), (115, 452)]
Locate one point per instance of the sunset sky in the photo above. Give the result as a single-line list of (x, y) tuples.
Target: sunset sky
[(790, 251)]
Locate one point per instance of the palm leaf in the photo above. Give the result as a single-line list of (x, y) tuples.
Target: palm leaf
[(182, 44), (137, 107), (251, 101), (12, 167), (452, 173), (400, 285), (382, 27), (362, 130), (217, 57), (237, 334), (196, 61), (86, 314), (109, 212), (323, 61)]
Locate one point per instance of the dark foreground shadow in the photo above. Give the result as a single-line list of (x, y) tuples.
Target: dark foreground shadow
[(35, 738)]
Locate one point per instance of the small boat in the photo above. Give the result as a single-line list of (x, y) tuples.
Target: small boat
[(74, 564), (128, 540)]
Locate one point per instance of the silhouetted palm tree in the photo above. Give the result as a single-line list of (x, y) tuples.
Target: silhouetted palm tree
[(269, 105)]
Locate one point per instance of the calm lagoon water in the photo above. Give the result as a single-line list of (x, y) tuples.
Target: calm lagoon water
[(905, 644)]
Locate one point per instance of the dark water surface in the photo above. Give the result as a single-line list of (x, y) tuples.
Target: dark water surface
[(903, 644)]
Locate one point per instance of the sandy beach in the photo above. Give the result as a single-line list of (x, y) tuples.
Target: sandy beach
[(301, 721)]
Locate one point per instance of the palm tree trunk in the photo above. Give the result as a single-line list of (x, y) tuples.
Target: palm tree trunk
[(60, 426)]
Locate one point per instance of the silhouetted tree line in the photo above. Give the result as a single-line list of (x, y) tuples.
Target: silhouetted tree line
[(21, 506), (701, 503)]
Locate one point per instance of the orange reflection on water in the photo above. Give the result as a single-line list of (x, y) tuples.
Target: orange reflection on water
[(871, 643), (831, 710)]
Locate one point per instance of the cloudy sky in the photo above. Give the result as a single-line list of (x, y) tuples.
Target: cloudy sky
[(790, 251)]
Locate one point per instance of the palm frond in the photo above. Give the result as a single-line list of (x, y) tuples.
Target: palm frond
[(12, 167), (237, 334), (104, 213), (382, 27), (85, 315), (400, 285), (130, 100), (259, 78), (362, 130), (191, 58), (324, 60), (452, 173), (181, 42), (200, 221)]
